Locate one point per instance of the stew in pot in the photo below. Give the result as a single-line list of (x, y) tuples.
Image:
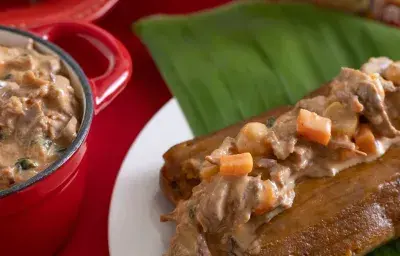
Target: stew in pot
[(39, 113)]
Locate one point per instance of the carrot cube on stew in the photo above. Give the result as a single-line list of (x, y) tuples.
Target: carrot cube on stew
[(268, 199), (314, 127), (236, 165), (207, 173), (365, 139)]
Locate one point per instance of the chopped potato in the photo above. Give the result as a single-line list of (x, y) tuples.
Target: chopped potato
[(236, 165), (344, 120), (392, 73), (314, 127), (251, 138)]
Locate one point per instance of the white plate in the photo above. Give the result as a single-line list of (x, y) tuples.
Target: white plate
[(134, 226)]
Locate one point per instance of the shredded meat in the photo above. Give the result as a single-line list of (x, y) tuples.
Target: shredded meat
[(282, 136), (352, 83)]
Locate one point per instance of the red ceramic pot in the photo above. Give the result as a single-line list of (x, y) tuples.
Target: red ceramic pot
[(37, 216)]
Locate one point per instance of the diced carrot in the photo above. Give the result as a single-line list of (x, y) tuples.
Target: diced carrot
[(208, 172), (365, 139), (268, 199), (314, 127), (236, 165)]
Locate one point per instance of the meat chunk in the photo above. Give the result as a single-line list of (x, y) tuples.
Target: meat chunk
[(352, 83), (282, 136), (376, 65), (392, 73)]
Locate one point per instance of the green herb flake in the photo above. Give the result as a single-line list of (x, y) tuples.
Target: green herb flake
[(25, 164), (47, 143), (61, 150), (8, 76), (4, 134), (192, 213), (271, 121)]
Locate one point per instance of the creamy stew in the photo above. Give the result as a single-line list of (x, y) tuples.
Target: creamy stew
[(39, 113), (250, 179)]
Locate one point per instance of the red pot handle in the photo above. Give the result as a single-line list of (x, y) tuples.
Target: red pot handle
[(107, 86)]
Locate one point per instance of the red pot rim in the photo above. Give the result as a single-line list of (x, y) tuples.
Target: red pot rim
[(44, 13)]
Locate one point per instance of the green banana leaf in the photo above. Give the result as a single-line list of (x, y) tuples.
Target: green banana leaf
[(239, 60)]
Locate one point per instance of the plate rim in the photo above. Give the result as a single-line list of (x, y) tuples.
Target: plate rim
[(113, 201)]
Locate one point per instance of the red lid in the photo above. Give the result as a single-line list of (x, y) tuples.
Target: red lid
[(32, 13)]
